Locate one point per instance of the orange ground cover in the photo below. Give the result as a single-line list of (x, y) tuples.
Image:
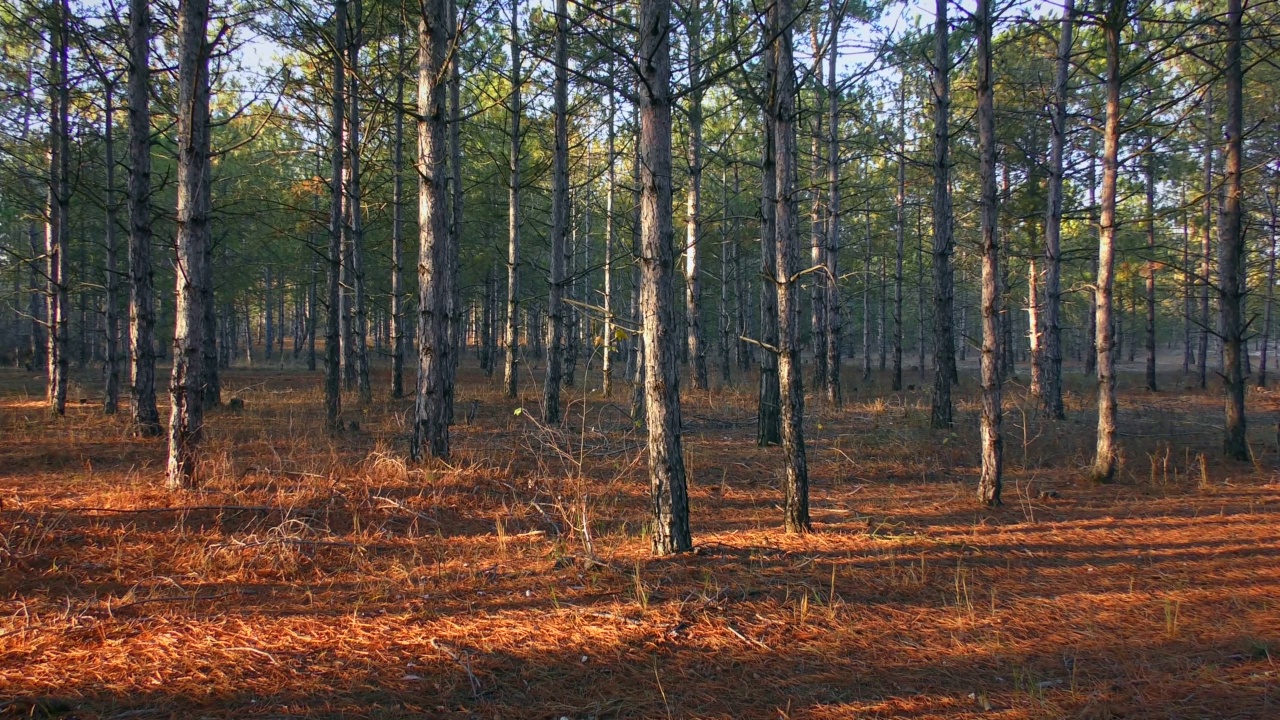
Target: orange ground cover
[(319, 576)]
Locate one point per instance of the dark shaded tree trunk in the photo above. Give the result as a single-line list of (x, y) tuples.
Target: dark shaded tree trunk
[(1051, 367), (944, 347), (834, 321), (559, 222), (1206, 243), (333, 311), (398, 349), (693, 225), (769, 413), (359, 319), (111, 396), (900, 234), (1232, 289), (57, 225), (511, 373), (1151, 273)]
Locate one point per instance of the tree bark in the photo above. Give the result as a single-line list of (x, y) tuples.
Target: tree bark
[(397, 229), (186, 416), (1206, 242), (333, 321), (610, 344), (559, 221), (57, 225), (944, 349), (431, 420), (1232, 289), (1051, 367), (355, 201), (1151, 273), (111, 399), (1272, 201), (900, 234), (510, 371), (1106, 454), (989, 484), (693, 223), (768, 415), (834, 322), (668, 494)]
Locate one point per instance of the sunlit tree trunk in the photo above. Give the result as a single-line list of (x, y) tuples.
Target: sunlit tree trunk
[(355, 199), (1106, 452), (668, 493), (610, 243), (944, 347), (511, 340), (1051, 365), (693, 224), (57, 224), (1231, 254), (559, 221), (990, 481), (431, 411), (186, 416), (333, 291)]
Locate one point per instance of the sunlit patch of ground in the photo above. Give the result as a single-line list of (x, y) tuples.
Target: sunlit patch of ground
[(321, 576)]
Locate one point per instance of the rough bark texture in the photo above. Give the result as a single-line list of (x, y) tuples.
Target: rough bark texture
[(1268, 308), (1151, 273), (397, 230), (900, 234), (1106, 454), (57, 223), (990, 481), (610, 344), (790, 371), (834, 327), (186, 416), (1206, 243), (559, 222), (511, 339), (111, 396), (944, 347), (333, 292), (355, 202), (1231, 261), (1051, 367), (431, 419), (668, 493), (693, 222), (768, 414)]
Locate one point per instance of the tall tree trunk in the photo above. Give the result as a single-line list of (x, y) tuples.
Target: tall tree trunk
[(1051, 367), (431, 419), (790, 371), (989, 483), (1035, 334), (511, 373), (944, 347), (693, 224), (111, 399), (1231, 253), (1151, 273), (355, 199), (57, 226), (741, 290), (1106, 453), (397, 228), (900, 233), (724, 329), (559, 220), (636, 361), (1272, 201), (610, 344), (834, 321), (333, 311), (1188, 282), (210, 383), (866, 300), (768, 414), (817, 215), (1206, 242), (186, 416), (668, 494), (1091, 330), (453, 288), (268, 313)]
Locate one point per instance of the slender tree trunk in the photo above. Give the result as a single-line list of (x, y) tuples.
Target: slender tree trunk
[(693, 224), (636, 360), (511, 373), (210, 383), (817, 218), (57, 225), (1035, 334), (397, 229), (920, 304), (1272, 201), (1106, 454), (740, 286), (611, 340), (333, 320), (355, 200), (111, 400), (186, 416), (790, 371), (453, 288), (990, 482), (944, 347), (1151, 274), (431, 419), (1206, 243), (668, 493), (834, 321), (900, 233), (768, 416), (724, 329), (1232, 289), (559, 220), (866, 301), (1051, 367), (1091, 331)]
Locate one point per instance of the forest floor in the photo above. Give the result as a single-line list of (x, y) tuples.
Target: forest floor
[(319, 576)]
